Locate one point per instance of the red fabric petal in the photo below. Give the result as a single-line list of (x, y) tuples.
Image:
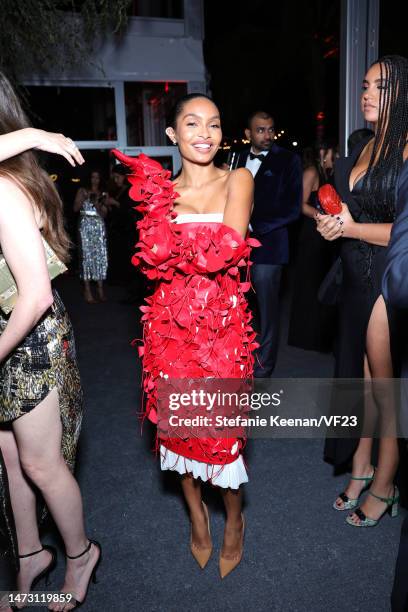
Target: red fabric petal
[(196, 323)]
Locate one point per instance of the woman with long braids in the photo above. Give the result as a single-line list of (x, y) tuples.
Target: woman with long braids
[(367, 182), (40, 390)]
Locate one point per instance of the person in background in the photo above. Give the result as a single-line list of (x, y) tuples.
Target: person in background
[(116, 226), (356, 137), (91, 202), (40, 389), (277, 203), (28, 138), (368, 338), (312, 324), (395, 292), (123, 238)]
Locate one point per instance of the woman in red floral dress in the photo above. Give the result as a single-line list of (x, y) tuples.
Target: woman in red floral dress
[(196, 324)]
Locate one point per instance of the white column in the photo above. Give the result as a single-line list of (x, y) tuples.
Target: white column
[(358, 50), (120, 109)]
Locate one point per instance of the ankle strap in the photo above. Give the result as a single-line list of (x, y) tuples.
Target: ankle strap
[(386, 500), (30, 554), (83, 552), (363, 477)]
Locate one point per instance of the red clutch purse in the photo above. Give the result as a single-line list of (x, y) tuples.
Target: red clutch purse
[(329, 199)]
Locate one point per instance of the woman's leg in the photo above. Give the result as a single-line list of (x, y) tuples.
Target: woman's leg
[(192, 493), (23, 503), (38, 436), (101, 291), (380, 363), (88, 292), (361, 465), (234, 523)]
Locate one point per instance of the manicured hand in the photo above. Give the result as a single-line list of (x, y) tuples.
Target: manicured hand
[(59, 144), (331, 227)]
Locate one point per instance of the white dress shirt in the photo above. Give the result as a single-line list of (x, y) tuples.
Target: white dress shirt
[(254, 164)]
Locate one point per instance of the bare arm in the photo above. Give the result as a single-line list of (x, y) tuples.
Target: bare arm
[(30, 138), (79, 199), (23, 250), (373, 233), (331, 228), (310, 183), (239, 200)]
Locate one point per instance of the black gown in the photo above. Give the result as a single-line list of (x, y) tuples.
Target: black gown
[(363, 269), (312, 324)]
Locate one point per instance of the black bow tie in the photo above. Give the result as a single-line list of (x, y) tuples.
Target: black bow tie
[(253, 156)]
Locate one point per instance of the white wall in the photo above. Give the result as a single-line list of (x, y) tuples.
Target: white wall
[(150, 50)]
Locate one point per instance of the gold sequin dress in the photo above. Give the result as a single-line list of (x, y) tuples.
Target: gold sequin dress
[(45, 360)]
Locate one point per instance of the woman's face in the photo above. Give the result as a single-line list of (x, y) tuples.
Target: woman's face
[(198, 131), (373, 85), (118, 179)]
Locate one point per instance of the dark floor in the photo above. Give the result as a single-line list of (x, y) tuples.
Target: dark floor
[(299, 553)]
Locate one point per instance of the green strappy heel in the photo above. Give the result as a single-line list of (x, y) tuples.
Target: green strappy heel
[(350, 504), (392, 506)]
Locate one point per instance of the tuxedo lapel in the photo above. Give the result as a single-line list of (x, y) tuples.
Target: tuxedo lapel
[(264, 164)]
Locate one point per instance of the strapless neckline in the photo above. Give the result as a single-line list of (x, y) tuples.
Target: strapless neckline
[(199, 218)]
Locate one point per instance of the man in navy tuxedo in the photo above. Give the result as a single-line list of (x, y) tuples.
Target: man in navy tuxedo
[(277, 203), (395, 291)]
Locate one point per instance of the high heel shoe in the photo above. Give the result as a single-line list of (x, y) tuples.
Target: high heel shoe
[(201, 555), (227, 565), (78, 603), (45, 573), (348, 503), (392, 504)]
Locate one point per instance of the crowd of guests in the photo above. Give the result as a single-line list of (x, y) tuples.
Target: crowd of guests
[(358, 253), (106, 235)]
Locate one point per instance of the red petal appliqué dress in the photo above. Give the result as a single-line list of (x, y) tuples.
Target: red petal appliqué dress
[(196, 323)]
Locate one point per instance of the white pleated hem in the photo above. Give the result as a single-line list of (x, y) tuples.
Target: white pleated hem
[(229, 476)]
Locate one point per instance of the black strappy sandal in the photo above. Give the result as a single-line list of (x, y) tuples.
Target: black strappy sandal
[(45, 573), (47, 570), (78, 603)]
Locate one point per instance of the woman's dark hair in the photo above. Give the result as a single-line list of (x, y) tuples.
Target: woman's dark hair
[(25, 171), (258, 113), (179, 105), (311, 159), (356, 137), (378, 189), (88, 180), (120, 169)]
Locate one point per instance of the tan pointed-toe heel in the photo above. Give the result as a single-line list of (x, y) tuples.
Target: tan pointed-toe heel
[(227, 565), (201, 555)]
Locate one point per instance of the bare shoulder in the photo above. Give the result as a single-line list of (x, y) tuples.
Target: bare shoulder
[(310, 173), (241, 176), (12, 196)]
